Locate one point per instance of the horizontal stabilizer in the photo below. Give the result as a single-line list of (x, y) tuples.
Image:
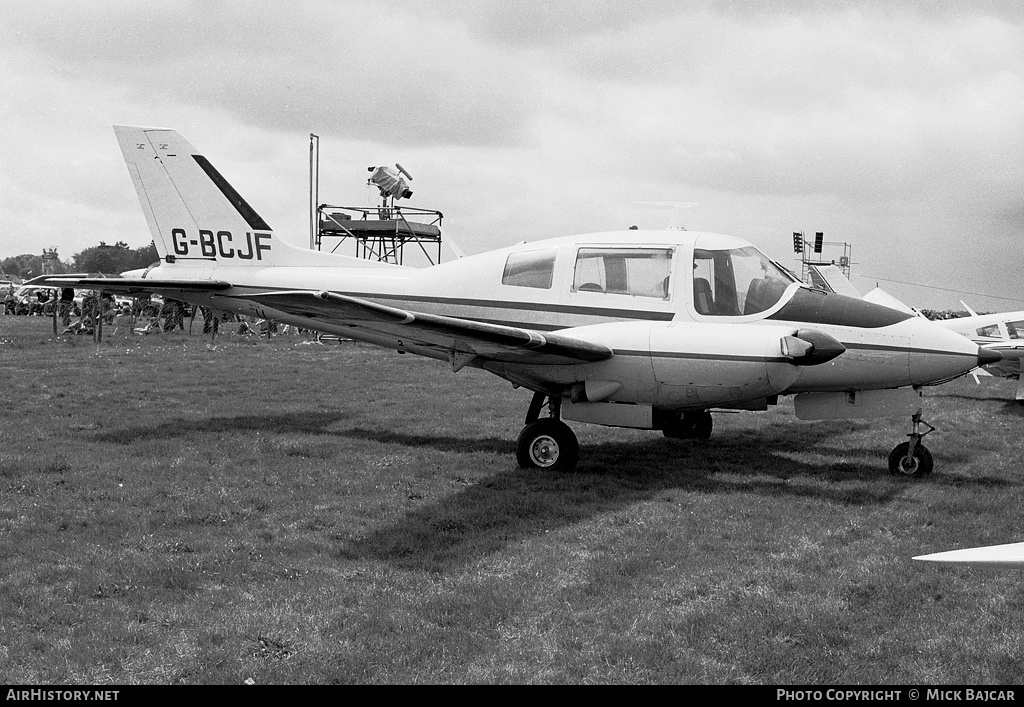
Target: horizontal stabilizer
[(831, 278), (131, 285), (464, 337)]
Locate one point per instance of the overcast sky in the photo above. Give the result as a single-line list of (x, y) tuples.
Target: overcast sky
[(897, 127)]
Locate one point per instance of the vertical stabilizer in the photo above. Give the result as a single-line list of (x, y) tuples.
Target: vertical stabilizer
[(195, 214)]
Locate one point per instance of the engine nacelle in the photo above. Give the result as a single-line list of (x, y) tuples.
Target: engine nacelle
[(746, 362), (670, 366)]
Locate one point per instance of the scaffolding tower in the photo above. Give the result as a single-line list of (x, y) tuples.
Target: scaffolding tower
[(377, 232), (50, 261), (380, 233), (820, 253)]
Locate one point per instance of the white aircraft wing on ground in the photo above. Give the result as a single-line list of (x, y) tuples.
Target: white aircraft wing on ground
[(1011, 555)]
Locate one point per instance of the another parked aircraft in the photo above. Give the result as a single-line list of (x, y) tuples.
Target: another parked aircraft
[(1002, 332)]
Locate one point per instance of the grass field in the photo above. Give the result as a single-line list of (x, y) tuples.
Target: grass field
[(181, 510)]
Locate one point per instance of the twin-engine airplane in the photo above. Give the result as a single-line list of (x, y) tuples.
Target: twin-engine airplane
[(643, 329)]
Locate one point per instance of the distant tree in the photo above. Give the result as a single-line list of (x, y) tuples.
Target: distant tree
[(114, 258), (22, 266), (144, 257)]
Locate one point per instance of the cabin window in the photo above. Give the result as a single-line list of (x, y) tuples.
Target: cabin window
[(535, 268), (639, 272), (1015, 330), (736, 282)]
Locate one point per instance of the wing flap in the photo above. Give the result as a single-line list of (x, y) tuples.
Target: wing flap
[(463, 336)]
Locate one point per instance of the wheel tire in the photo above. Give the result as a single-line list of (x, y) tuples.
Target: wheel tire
[(692, 425), (701, 424), (547, 444), (676, 428), (921, 464)]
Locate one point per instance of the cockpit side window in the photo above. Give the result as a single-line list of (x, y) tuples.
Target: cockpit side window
[(736, 282), (534, 268), (639, 272), (1015, 330)]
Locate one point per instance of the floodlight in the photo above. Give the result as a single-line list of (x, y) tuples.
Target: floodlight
[(798, 242), (819, 240), (390, 183)]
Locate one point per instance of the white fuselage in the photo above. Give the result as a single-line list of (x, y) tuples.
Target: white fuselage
[(668, 352)]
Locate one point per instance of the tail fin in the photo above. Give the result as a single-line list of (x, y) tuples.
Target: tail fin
[(193, 212)]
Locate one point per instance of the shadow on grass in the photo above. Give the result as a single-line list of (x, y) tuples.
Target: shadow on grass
[(509, 507), (462, 445), (797, 461), (312, 423), (1009, 405), (315, 423)]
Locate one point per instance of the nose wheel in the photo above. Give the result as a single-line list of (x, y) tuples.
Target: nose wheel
[(912, 458), (547, 443)]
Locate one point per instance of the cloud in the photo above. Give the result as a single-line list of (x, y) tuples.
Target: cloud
[(849, 103), (375, 72), (522, 120)]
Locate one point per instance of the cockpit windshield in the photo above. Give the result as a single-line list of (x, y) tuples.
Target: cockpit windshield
[(736, 282)]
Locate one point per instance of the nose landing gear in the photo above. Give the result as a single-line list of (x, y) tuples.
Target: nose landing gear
[(912, 458)]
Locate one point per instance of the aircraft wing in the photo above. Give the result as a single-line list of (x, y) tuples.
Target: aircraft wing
[(1011, 555), (130, 285), (460, 339)]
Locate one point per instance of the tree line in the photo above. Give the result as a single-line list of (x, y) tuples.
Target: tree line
[(102, 258)]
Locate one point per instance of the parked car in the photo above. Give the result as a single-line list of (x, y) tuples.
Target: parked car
[(31, 299)]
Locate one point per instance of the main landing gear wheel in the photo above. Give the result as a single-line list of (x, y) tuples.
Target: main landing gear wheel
[(692, 425), (547, 444), (901, 463)]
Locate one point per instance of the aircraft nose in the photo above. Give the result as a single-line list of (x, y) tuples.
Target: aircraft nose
[(938, 355), (987, 356)]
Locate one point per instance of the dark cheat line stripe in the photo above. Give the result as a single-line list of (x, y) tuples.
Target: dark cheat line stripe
[(252, 218), (582, 310)]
